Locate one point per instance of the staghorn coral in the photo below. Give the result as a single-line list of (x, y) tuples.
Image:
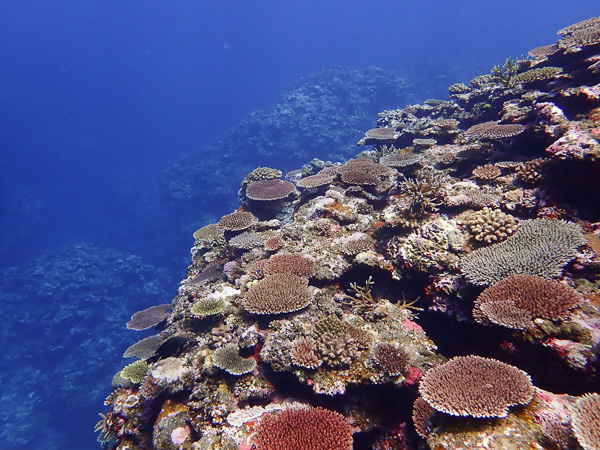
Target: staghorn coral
[(586, 420), (489, 225), (336, 350), (237, 221), (540, 247), (425, 192), (304, 353), (228, 359), (291, 263), (493, 130), (392, 358), (278, 294), (142, 320), (528, 297), (269, 190), (135, 372), (476, 387), (303, 429)]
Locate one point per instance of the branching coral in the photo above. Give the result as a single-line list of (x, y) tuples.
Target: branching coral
[(336, 350), (304, 353), (489, 225), (392, 358), (425, 192), (291, 263), (135, 372)]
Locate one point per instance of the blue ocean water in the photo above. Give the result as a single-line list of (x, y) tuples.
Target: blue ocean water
[(106, 106)]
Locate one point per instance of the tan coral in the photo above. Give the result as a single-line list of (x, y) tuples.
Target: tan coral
[(489, 225)]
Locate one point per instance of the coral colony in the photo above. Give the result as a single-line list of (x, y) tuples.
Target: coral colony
[(441, 290)]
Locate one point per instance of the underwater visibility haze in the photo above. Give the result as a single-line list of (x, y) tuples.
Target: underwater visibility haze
[(379, 197)]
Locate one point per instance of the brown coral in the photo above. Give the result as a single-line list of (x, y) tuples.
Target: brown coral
[(303, 429), (486, 172), (357, 243), (237, 221), (278, 294), (381, 134), (530, 296), (149, 317), (364, 165), (315, 181), (392, 358), (422, 412), (336, 350), (274, 243), (268, 190), (304, 355), (476, 386), (586, 421), (359, 177), (291, 263), (493, 130), (489, 225), (532, 171)]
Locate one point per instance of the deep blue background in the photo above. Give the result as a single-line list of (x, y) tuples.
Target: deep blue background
[(98, 96)]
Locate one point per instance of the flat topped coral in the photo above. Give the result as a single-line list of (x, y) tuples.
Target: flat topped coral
[(493, 130), (540, 247), (515, 301), (237, 221), (586, 421), (277, 294), (269, 190), (228, 359), (291, 263), (315, 181), (476, 387), (303, 429)]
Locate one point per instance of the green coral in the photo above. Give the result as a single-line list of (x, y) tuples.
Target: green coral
[(228, 359), (208, 306), (261, 173), (503, 74), (533, 75), (329, 324), (135, 372), (540, 247)]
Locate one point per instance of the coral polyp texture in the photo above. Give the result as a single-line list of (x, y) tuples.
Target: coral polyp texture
[(303, 429), (527, 297), (586, 421), (277, 294), (476, 387), (312, 318)]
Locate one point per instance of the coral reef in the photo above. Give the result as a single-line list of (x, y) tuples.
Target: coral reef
[(334, 299)]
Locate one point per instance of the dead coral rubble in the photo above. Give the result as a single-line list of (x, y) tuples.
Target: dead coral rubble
[(483, 212)]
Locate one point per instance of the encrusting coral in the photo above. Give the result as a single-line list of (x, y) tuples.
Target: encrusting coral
[(361, 289)]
